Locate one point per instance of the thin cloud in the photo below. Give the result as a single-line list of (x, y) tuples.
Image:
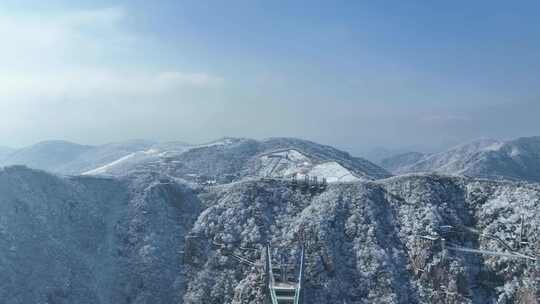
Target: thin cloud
[(106, 17), (52, 56), (46, 41), (88, 82), (66, 74)]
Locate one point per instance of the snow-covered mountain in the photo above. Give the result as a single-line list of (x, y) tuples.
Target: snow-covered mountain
[(515, 159), (234, 159), (378, 153), (220, 161), (174, 223), (138, 158), (101, 155), (47, 155), (89, 240), (397, 162), (5, 152), (149, 239), (72, 159)]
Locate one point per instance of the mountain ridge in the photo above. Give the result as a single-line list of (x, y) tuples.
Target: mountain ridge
[(215, 160), (148, 239), (517, 159)]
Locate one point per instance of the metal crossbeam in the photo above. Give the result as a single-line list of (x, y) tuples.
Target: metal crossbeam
[(282, 291)]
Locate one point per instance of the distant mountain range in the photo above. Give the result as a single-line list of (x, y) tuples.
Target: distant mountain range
[(5, 151), (235, 159), (224, 160), (70, 158), (517, 159)]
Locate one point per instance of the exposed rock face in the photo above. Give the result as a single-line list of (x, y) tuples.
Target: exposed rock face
[(145, 239), (515, 160)]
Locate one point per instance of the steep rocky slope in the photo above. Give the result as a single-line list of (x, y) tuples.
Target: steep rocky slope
[(147, 239), (516, 160)]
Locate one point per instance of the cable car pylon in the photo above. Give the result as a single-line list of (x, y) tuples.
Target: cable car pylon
[(283, 285)]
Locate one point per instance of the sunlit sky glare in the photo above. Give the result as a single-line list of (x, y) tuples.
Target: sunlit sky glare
[(419, 75)]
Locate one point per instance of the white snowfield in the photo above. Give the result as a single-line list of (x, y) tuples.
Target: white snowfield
[(292, 162), (282, 163), (130, 158), (104, 169), (333, 172), (222, 142), (154, 154)]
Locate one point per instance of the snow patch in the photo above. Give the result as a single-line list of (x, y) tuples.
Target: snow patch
[(494, 147), (224, 142), (286, 163), (104, 169), (515, 152), (333, 172), (151, 151)]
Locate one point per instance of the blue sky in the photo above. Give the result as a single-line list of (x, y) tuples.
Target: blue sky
[(355, 74)]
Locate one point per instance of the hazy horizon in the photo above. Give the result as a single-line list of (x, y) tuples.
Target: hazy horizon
[(373, 153), (357, 76)]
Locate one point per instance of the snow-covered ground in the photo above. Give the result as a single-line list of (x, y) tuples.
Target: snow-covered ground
[(286, 163), (517, 159), (101, 240), (125, 161), (333, 172), (224, 160)]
